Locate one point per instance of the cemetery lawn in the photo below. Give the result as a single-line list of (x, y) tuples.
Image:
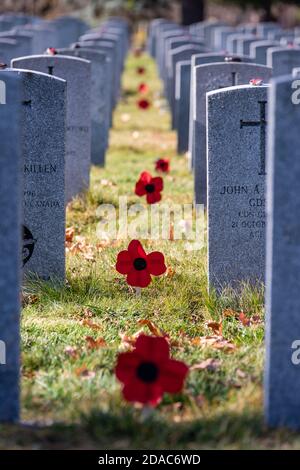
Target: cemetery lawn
[(71, 335)]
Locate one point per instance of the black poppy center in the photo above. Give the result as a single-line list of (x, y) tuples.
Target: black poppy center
[(150, 188), (147, 372), (140, 264)]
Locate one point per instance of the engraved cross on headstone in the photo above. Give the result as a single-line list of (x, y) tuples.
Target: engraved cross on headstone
[(50, 69), (262, 124), (234, 80)]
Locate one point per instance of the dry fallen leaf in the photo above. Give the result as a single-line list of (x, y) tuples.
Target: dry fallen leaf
[(28, 299), (230, 313), (84, 373), (90, 324), (170, 272), (70, 232), (215, 326), (209, 364), (216, 342), (244, 319), (95, 343), (155, 330)]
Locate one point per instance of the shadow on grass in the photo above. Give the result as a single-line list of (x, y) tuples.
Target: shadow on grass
[(126, 430)]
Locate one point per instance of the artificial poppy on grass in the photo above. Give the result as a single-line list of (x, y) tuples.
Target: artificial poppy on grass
[(138, 266), (143, 88), (148, 372), (143, 104), (150, 187), (162, 164)]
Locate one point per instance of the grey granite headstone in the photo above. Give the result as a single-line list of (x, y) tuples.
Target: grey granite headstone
[(221, 35), (283, 60), (264, 28), (182, 104), (233, 41), (77, 73), (236, 139), (161, 51), (43, 106), (178, 55), (100, 102), (259, 49), (24, 41), (200, 59), (10, 240), (9, 48), (282, 374), (244, 44), (213, 77), (109, 50), (68, 30)]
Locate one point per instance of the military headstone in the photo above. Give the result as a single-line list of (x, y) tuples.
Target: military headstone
[(213, 77), (282, 378), (77, 73), (236, 169), (10, 240), (283, 59)]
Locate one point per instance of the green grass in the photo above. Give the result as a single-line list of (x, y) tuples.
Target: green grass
[(75, 402)]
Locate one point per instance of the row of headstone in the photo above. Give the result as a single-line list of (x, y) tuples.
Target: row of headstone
[(55, 113), (238, 126)]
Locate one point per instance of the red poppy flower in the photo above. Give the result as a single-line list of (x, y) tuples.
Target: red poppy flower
[(143, 88), (143, 104), (148, 372), (138, 266), (51, 51), (140, 70), (162, 164), (256, 81), (149, 186)]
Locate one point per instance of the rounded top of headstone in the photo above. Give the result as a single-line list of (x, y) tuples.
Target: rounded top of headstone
[(232, 59), (256, 81)]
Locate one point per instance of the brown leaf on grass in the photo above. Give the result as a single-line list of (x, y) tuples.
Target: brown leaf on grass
[(128, 341), (70, 232), (170, 272), (79, 245), (71, 351), (230, 313), (84, 373), (29, 299), (244, 319), (215, 326), (90, 324), (95, 343), (210, 364), (155, 330), (216, 342)]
